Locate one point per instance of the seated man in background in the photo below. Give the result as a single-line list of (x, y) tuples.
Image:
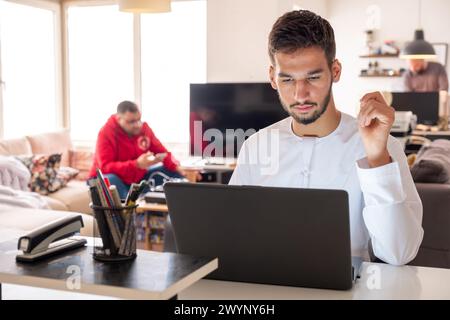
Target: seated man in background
[(127, 151), (425, 76)]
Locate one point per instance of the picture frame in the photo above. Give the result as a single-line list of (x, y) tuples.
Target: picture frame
[(441, 50)]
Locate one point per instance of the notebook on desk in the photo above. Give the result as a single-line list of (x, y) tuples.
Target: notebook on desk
[(281, 236)]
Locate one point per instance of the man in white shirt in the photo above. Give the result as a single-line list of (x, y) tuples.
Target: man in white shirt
[(319, 147)]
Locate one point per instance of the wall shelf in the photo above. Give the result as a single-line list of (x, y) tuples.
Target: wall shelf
[(379, 76), (380, 56)]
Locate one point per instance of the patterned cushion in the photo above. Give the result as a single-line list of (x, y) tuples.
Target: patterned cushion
[(46, 174)]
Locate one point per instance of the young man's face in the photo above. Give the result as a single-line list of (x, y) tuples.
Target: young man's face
[(130, 122), (303, 80)]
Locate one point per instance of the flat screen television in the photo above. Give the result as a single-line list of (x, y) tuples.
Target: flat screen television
[(223, 115)]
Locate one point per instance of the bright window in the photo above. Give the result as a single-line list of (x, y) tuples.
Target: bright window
[(100, 66), (28, 69), (173, 56)]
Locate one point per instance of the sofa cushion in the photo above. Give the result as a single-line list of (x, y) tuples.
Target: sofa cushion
[(53, 142), (23, 220), (75, 196), (55, 204), (427, 257), (436, 215), (81, 160), (20, 146), (432, 164)]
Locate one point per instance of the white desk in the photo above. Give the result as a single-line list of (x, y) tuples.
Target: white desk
[(378, 281)]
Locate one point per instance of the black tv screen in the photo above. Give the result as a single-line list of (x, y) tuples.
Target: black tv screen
[(223, 115)]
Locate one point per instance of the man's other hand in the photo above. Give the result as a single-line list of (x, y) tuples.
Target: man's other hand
[(375, 120)]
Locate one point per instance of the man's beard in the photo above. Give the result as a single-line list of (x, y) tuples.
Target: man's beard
[(316, 114)]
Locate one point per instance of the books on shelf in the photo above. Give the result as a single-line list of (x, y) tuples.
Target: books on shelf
[(157, 222)]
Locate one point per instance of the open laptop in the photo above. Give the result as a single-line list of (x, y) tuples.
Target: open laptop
[(281, 236)]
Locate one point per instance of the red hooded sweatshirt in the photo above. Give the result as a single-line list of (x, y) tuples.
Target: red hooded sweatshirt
[(116, 152)]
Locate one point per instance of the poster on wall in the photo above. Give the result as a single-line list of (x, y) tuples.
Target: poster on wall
[(441, 52)]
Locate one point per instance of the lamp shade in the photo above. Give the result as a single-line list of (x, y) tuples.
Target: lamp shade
[(145, 6), (418, 48)]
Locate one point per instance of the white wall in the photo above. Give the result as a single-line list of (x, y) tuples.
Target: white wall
[(398, 21), (237, 36), (237, 39), (318, 6)]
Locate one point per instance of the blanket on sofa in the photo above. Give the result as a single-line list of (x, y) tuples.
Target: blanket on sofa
[(19, 198), (14, 174)]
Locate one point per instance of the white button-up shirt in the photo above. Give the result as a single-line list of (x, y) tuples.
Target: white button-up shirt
[(383, 201)]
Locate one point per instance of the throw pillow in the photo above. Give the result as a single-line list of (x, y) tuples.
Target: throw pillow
[(44, 172), (432, 164), (67, 173)]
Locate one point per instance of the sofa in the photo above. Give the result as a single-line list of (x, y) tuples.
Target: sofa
[(435, 248), (16, 222), (74, 196)]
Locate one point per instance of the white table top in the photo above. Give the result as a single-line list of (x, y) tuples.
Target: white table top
[(378, 281)]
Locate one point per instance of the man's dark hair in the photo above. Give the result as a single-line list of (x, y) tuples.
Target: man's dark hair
[(302, 29), (127, 106)]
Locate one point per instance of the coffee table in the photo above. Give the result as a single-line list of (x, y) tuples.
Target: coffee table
[(152, 275)]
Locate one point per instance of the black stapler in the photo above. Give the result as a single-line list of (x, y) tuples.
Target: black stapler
[(51, 239)]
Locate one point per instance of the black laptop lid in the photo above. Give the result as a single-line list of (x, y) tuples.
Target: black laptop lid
[(283, 236)]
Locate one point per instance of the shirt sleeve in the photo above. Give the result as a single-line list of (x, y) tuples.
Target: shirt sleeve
[(393, 209)]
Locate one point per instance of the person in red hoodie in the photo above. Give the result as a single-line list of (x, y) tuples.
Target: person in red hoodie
[(128, 151)]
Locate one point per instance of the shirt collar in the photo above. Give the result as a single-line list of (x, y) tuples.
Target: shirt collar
[(318, 139)]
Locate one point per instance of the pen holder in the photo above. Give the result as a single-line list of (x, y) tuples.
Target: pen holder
[(114, 233)]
